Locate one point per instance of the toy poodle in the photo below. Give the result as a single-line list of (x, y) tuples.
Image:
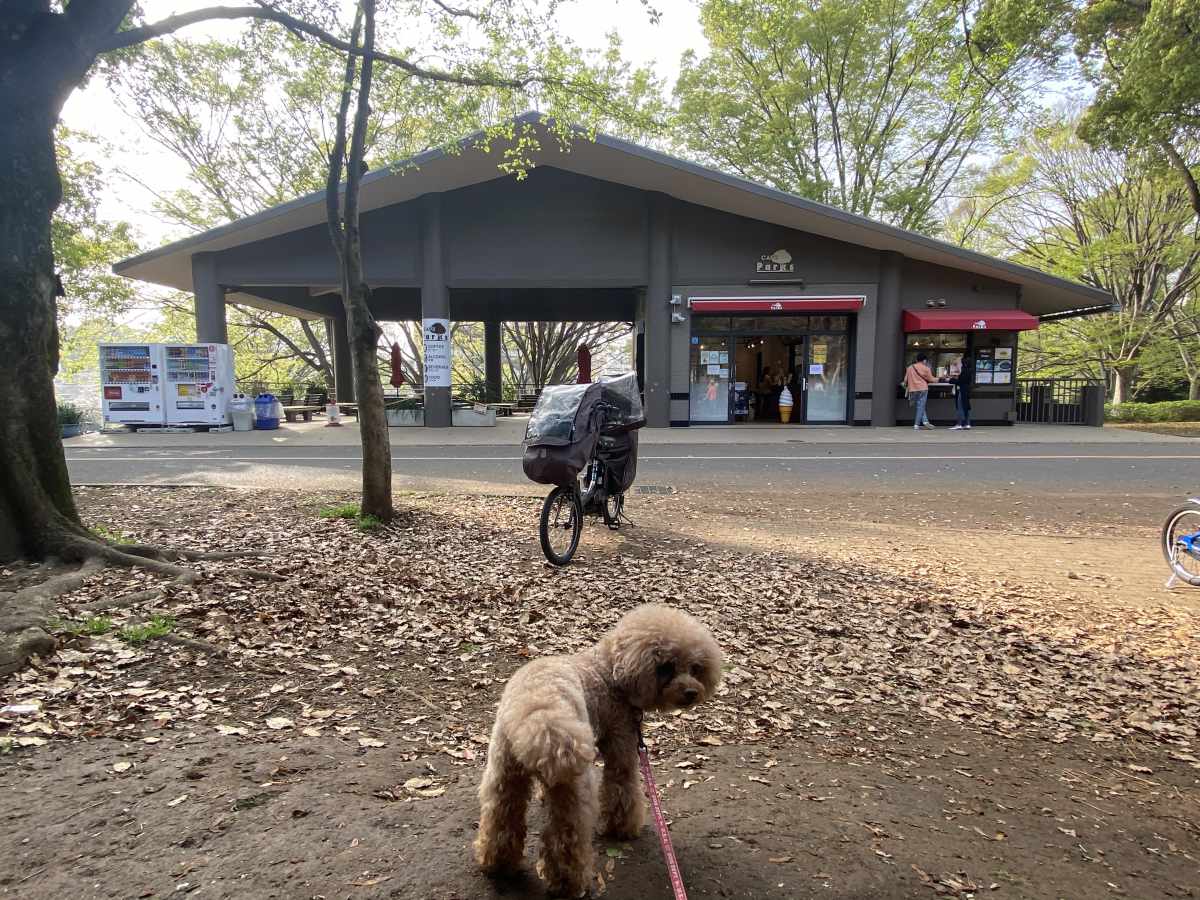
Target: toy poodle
[(556, 712)]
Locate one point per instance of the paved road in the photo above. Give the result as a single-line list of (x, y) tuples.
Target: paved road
[(1059, 468)]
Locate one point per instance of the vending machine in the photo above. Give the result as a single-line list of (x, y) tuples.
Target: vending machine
[(131, 386), (197, 383)]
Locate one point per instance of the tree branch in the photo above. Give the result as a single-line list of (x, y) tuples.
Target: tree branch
[(1181, 166), (133, 36)]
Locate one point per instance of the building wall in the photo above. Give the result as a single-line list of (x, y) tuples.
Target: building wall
[(391, 254), (561, 230), (556, 229)]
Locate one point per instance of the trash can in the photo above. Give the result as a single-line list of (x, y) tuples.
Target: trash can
[(242, 412), (266, 416)]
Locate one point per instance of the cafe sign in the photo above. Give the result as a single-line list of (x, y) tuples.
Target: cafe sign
[(779, 261)]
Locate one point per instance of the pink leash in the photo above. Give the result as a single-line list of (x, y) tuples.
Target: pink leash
[(660, 822)]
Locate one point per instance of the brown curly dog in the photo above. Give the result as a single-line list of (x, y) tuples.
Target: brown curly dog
[(556, 712)]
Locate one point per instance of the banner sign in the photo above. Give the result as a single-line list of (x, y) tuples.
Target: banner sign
[(437, 352)]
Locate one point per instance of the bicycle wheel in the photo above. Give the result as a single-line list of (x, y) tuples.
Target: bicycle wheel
[(561, 525), (614, 505), (1181, 543)]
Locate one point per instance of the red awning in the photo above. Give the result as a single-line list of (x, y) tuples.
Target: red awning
[(776, 304), (968, 320)]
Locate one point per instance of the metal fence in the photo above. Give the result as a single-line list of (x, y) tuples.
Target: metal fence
[(1057, 401)]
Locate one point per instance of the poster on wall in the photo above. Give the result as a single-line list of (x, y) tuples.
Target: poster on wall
[(984, 365), (1002, 372), (437, 352), (1004, 353)]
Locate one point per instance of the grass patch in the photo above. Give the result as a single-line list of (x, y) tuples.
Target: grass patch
[(147, 631), (365, 524), (111, 535), (92, 627)]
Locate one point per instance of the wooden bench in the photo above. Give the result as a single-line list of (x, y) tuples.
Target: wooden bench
[(291, 413), (503, 409)]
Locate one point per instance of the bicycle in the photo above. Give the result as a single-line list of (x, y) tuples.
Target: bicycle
[(1181, 543), (561, 522)]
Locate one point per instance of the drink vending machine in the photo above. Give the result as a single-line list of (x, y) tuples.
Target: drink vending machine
[(198, 384), (166, 384), (130, 383)]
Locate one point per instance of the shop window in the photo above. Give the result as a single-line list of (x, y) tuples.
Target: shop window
[(994, 353), (829, 323), (710, 324), (770, 324), (942, 349)]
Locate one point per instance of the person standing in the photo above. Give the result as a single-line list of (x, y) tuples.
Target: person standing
[(964, 380), (917, 379)]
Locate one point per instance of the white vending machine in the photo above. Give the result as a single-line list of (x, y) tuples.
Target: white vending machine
[(197, 383), (131, 386)]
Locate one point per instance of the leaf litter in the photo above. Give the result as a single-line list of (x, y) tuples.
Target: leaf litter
[(410, 631)]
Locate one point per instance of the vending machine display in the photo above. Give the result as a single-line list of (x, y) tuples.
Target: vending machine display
[(198, 383), (130, 383)]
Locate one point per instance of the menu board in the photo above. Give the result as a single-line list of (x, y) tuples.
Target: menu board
[(985, 364)]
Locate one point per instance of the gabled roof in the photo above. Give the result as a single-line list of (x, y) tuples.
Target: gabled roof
[(612, 159)]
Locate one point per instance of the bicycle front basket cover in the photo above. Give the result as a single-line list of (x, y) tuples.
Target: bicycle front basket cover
[(562, 413), (621, 393), (562, 433)]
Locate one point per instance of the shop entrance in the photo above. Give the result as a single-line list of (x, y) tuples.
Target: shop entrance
[(741, 365)]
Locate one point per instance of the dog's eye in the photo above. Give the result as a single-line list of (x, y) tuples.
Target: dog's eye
[(666, 671), (697, 670)]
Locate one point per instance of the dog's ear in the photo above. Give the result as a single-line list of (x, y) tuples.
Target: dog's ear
[(635, 657)]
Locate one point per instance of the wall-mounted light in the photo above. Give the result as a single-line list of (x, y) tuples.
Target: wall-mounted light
[(939, 303)]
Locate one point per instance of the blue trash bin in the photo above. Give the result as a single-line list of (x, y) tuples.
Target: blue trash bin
[(264, 412)]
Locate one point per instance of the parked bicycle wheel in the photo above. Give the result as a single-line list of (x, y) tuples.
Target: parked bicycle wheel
[(561, 525), (1181, 543), (614, 505)]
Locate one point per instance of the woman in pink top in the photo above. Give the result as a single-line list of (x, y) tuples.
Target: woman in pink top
[(918, 378)]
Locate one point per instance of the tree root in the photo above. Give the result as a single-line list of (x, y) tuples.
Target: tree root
[(170, 554), (23, 616), (137, 598), (56, 585), (24, 613)]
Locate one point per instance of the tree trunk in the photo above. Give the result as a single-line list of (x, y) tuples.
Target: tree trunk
[(363, 332), (37, 513), (1194, 387), (1123, 379)]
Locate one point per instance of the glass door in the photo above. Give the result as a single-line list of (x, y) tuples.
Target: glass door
[(827, 378), (709, 380)]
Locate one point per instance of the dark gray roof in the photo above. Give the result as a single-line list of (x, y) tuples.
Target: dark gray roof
[(619, 161)]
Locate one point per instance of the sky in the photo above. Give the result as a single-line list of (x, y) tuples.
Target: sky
[(93, 109)]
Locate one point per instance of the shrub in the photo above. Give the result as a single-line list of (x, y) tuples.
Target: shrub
[(69, 414), (1169, 411)]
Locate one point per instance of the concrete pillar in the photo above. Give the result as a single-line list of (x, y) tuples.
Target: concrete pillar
[(343, 364), (888, 341), (491, 361), (657, 316), (209, 302), (435, 300)]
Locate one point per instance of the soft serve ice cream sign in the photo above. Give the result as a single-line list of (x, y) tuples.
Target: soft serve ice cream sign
[(779, 261)]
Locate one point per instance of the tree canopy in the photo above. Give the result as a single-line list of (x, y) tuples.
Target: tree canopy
[(873, 107)]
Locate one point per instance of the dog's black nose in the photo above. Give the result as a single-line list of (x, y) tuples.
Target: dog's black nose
[(690, 695)]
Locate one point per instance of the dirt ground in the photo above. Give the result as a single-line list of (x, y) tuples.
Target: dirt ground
[(918, 702)]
